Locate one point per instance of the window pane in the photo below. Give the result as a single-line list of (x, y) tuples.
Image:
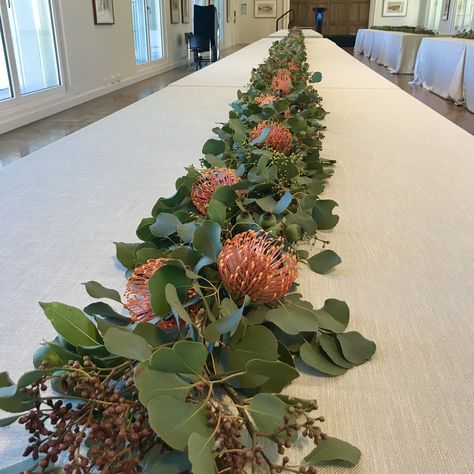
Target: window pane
[(5, 87), (34, 44), (140, 31), (156, 43)]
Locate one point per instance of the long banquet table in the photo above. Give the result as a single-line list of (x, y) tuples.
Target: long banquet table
[(307, 33), (405, 237), (394, 49), (440, 66)]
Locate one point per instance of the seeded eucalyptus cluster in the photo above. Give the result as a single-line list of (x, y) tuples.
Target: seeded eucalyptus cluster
[(185, 371)]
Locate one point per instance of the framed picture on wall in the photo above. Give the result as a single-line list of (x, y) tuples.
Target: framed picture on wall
[(446, 5), (394, 8), (265, 9), (103, 12), (175, 13), (185, 17)]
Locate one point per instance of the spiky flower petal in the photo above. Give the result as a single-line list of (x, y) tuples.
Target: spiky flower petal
[(207, 183), (255, 264), (279, 137)]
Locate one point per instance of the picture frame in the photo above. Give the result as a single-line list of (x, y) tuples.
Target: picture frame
[(185, 13), (265, 9), (394, 7), (175, 14), (103, 12), (445, 12)]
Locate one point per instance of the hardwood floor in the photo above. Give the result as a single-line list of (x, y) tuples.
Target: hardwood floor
[(25, 140), (455, 113)]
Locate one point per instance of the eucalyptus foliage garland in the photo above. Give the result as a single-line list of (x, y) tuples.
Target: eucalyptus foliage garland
[(188, 375)]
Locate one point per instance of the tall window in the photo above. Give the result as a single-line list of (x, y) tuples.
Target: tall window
[(147, 30), (434, 14), (32, 60), (464, 12)]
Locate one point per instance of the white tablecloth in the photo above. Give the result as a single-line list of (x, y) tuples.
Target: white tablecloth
[(469, 76), (307, 33), (340, 69), (440, 67), (395, 50), (405, 237)]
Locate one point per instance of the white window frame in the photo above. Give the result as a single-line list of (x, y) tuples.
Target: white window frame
[(45, 95)]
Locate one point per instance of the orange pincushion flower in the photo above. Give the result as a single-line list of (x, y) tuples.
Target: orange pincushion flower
[(279, 137), (255, 264), (292, 66), (137, 293), (281, 84), (207, 183), (265, 99)]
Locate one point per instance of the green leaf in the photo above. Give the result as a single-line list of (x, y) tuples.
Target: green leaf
[(186, 231), (185, 357), (72, 324), (332, 349), (268, 412), (165, 225), (338, 310), (224, 194), (96, 290), (333, 451), (240, 131), (266, 203), (126, 254), (174, 420), (217, 211), (126, 344), (227, 323), (295, 316), (324, 261), (297, 124), (258, 342), (155, 384), (207, 239), (355, 347), (157, 286), (313, 357), (322, 214), (12, 400), (213, 147), (214, 161), (174, 462), (105, 311), (153, 335), (327, 322), (9, 420), (316, 77), (279, 373), (200, 453), (173, 299)]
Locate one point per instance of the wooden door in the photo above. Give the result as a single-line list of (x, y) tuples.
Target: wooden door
[(343, 17)]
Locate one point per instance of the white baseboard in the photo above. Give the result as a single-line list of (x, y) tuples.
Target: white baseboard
[(24, 114)]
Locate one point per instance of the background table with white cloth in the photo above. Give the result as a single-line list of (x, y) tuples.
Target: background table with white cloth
[(469, 76), (405, 238), (307, 33), (440, 67)]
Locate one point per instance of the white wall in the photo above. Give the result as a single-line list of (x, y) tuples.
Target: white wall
[(96, 59), (411, 19)]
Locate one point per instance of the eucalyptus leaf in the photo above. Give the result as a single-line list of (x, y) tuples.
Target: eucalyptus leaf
[(126, 344), (164, 225), (268, 412), (227, 323), (96, 290), (72, 324), (126, 253), (322, 214), (323, 262), (217, 211), (333, 451), (213, 147), (200, 453), (207, 239), (355, 347), (185, 357), (312, 356), (333, 350)]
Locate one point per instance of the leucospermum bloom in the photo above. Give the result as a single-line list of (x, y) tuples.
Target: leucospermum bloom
[(281, 82), (207, 183), (279, 137), (267, 99), (137, 294), (255, 264)]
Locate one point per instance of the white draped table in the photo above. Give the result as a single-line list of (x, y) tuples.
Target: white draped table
[(440, 67), (393, 49), (405, 238), (307, 33), (469, 76)]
